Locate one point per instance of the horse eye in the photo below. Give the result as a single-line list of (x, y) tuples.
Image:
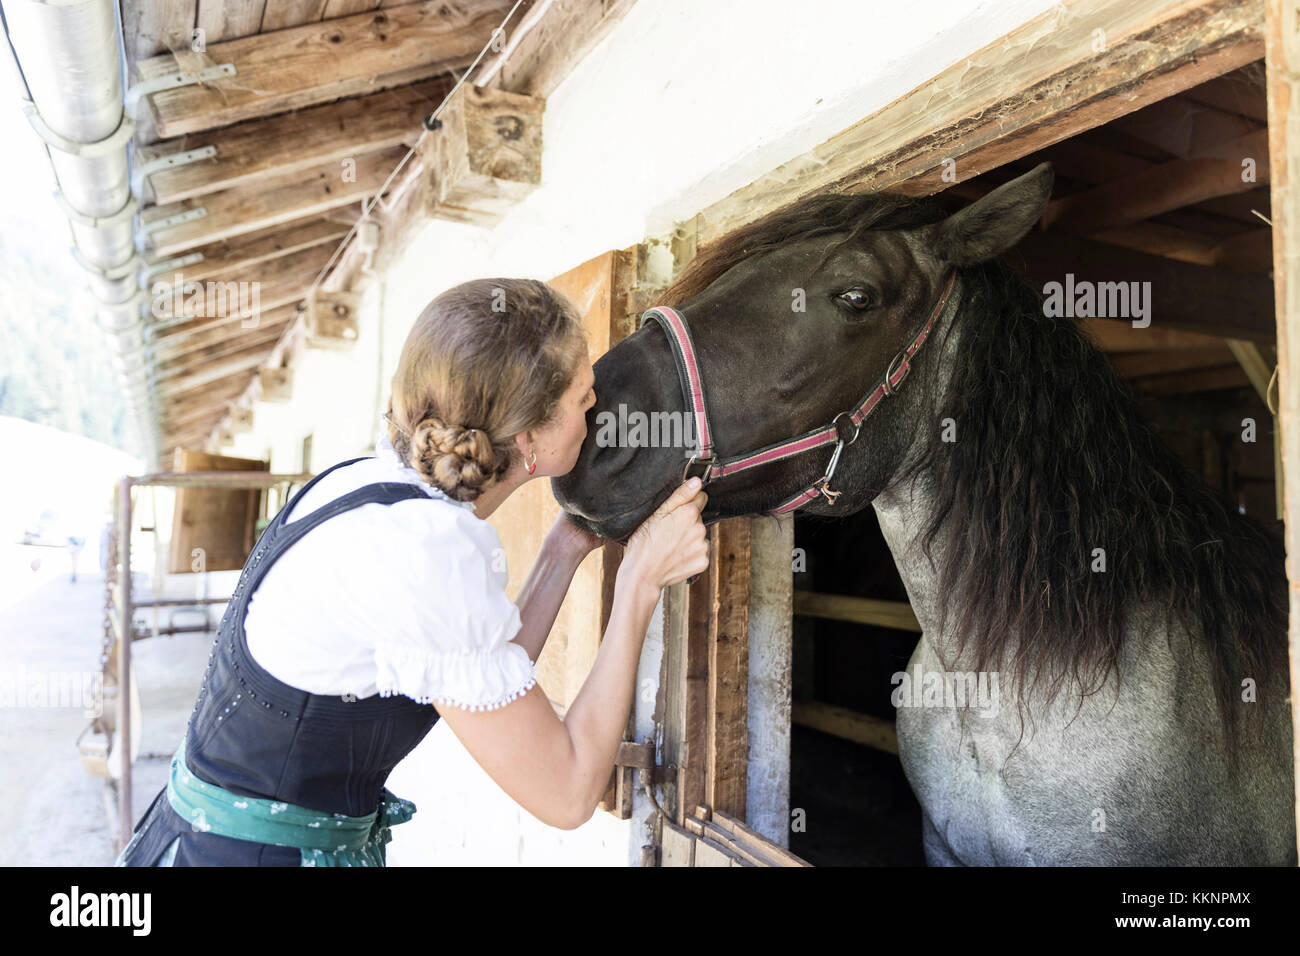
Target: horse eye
[(859, 298)]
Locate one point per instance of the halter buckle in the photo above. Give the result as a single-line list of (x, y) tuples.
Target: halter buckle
[(704, 475), (889, 372)]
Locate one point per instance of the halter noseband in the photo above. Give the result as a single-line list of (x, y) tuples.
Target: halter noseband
[(705, 462)]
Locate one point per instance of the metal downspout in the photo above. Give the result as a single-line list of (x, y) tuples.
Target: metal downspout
[(68, 52)]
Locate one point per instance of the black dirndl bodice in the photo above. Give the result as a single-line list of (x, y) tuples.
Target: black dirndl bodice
[(254, 735)]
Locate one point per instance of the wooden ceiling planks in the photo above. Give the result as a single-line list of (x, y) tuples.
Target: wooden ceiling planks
[(228, 19), (294, 142), (283, 126), (304, 65), (263, 245), (277, 201)]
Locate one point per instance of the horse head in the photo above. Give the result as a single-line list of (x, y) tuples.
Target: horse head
[(794, 321)]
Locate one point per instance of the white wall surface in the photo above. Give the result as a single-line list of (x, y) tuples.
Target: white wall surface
[(684, 102)]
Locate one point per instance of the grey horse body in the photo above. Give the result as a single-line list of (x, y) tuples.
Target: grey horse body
[(1133, 774)]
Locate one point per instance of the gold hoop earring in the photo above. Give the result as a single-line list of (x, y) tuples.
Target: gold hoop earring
[(531, 461)]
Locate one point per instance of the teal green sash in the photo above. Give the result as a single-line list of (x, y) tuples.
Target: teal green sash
[(325, 839)]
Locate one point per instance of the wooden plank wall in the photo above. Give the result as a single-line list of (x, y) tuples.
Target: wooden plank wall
[(221, 522)]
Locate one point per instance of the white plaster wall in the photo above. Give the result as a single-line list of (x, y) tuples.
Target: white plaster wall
[(684, 102)]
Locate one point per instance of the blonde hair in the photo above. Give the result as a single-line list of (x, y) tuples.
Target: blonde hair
[(486, 360)]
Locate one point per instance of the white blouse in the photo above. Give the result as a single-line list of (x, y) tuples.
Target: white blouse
[(407, 598)]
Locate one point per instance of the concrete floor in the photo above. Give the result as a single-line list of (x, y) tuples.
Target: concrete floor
[(52, 812)]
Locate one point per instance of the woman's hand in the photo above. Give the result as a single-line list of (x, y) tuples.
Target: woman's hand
[(670, 545)]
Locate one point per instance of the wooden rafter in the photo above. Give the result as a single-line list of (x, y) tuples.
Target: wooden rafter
[(1163, 187), (1184, 296), (295, 142), (249, 249), (304, 65), (218, 337), (278, 200)]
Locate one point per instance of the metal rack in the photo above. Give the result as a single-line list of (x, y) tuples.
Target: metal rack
[(122, 610)]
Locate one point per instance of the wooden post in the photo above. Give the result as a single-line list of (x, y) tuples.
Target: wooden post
[(277, 384), (727, 761), (1282, 61)]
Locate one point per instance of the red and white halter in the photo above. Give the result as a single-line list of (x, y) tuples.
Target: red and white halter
[(705, 461)]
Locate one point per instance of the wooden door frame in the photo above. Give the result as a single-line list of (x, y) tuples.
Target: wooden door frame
[(1282, 61)]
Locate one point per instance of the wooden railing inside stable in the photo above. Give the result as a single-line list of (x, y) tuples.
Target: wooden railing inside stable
[(840, 721)]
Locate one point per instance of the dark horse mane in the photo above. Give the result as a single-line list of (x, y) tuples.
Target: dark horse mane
[(1054, 459)]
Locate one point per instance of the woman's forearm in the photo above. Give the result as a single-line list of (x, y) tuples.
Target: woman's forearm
[(597, 718), (543, 592)]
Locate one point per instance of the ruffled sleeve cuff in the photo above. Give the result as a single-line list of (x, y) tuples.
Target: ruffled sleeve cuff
[(472, 680)]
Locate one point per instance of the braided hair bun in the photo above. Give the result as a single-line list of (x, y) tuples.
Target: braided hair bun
[(462, 462)]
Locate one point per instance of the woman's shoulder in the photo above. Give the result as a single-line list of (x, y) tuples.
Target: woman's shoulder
[(423, 533)]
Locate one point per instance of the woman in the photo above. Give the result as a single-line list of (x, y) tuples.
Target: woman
[(335, 657)]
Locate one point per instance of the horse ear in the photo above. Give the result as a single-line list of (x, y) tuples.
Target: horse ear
[(994, 223)]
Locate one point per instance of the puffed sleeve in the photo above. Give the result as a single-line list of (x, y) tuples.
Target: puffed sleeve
[(451, 645)]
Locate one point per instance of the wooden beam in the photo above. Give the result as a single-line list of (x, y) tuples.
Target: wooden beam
[(193, 418), (249, 249), (186, 379), (725, 774), (234, 212), (275, 298), (174, 393), (1162, 188), (1249, 252), (1187, 383), (1140, 364), (241, 421), (263, 338), (277, 384), (1182, 297), (332, 320), (549, 41), (178, 293), (302, 66), (1257, 366), (543, 45), (486, 158), (1241, 91), (295, 142), (205, 411), (847, 724), (859, 610), (1181, 127), (1038, 85), (1110, 335)]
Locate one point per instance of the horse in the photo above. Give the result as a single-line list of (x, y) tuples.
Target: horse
[(1053, 549)]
